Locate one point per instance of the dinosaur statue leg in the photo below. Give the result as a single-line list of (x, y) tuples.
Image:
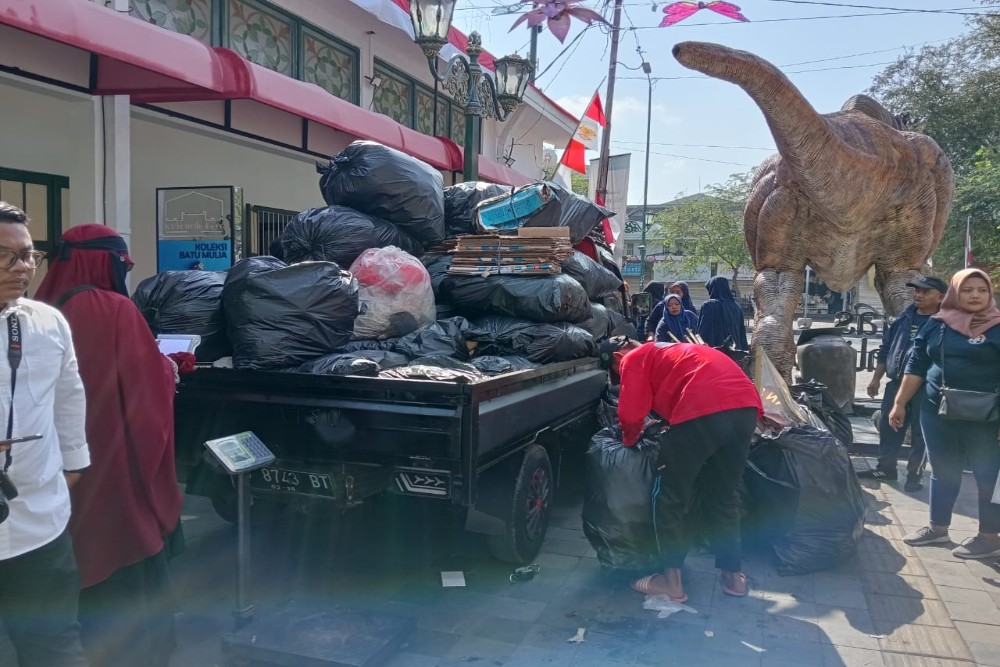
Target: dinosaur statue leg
[(777, 293), (891, 286)]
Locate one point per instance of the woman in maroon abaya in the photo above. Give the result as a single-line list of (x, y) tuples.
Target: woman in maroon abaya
[(129, 498)]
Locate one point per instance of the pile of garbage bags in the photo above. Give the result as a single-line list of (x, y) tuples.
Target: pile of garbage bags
[(186, 302), (352, 289), (800, 495)]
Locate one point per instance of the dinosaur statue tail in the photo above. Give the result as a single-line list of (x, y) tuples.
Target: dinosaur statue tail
[(802, 135)]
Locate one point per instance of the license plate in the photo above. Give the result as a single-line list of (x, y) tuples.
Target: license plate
[(293, 481)]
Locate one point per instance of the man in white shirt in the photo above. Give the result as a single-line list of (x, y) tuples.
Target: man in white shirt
[(40, 394)]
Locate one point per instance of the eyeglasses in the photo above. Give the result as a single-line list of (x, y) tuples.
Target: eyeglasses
[(31, 258)]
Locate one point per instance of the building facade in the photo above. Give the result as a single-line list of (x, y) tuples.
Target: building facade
[(193, 127)]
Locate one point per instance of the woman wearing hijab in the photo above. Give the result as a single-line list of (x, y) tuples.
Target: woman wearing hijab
[(721, 317), (677, 324), (129, 498), (958, 348), (679, 288)]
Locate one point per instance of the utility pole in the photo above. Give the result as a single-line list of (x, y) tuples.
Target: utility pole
[(601, 192), (648, 69)]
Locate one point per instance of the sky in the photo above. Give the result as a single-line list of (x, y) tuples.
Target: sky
[(704, 129)]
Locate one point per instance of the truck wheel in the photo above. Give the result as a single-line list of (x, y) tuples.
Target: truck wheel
[(530, 510)]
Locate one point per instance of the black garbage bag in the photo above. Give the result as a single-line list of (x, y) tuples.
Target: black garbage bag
[(540, 343), (369, 345), (818, 398), (186, 302), (617, 501), (493, 365), (597, 280), (363, 362), (599, 324), (280, 316), (460, 202), (387, 184), (437, 266), (556, 298), (340, 234), (449, 337), (621, 326), (805, 501), (435, 373), (607, 409)]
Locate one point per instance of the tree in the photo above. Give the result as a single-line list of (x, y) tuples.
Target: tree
[(709, 229), (951, 92), (580, 184)]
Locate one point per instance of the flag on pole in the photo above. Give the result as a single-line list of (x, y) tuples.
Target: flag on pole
[(585, 138), (968, 242)]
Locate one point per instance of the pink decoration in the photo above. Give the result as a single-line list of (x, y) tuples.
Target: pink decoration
[(678, 11), (556, 15)]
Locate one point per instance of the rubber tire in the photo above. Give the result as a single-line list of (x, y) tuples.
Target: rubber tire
[(517, 544)]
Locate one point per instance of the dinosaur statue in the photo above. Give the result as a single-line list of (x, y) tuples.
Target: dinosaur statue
[(846, 191)]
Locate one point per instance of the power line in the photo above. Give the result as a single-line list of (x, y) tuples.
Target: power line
[(742, 148), (895, 9), (686, 157), (800, 71), (820, 18)]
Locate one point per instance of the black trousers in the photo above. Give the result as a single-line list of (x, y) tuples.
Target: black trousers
[(890, 441), (39, 594), (704, 456), (128, 619)]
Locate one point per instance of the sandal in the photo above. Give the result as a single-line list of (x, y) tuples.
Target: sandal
[(645, 586), (733, 592)]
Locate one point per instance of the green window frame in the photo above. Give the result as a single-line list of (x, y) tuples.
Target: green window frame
[(189, 17), (56, 206)]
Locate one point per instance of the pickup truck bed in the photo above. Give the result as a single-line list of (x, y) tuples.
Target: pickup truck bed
[(485, 446)]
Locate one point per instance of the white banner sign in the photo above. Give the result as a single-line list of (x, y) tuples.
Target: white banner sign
[(617, 199)]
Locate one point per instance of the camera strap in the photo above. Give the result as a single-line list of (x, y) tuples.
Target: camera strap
[(14, 353)]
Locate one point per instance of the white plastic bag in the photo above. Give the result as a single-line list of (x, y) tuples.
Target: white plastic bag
[(395, 294)]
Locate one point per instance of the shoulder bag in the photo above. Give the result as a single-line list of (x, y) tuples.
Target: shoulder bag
[(965, 405)]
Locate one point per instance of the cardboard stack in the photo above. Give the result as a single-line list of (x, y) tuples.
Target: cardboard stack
[(534, 251)]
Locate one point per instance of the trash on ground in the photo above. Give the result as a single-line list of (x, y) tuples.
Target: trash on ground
[(750, 646), (709, 634), (578, 637), (526, 573), (452, 579), (666, 606)]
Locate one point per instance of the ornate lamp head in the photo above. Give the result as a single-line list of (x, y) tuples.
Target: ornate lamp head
[(513, 74), (431, 22)]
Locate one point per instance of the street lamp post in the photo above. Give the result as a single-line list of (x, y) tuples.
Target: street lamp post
[(647, 68), (479, 95)]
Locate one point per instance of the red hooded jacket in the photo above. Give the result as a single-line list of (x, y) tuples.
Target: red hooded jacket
[(129, 497)]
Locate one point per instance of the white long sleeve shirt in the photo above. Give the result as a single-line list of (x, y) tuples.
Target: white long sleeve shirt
[(48, 401)]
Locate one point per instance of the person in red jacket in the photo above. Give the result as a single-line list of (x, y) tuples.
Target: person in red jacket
[(712, 408), (129, 499)]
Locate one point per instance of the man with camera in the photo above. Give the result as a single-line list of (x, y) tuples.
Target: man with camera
[(45, 448)]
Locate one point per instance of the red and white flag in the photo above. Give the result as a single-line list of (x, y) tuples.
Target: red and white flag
[(968, 242), (586, 137)]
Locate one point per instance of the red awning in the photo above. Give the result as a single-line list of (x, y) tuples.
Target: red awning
[(498, 173), (245, 80), (152, 64), (132, 56)]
